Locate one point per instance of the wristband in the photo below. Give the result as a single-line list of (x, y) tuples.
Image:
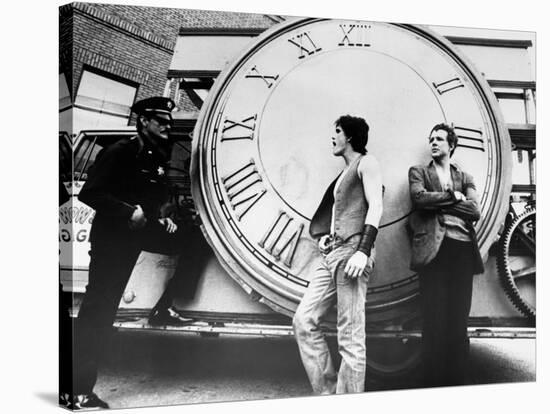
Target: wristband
[(367, 239)]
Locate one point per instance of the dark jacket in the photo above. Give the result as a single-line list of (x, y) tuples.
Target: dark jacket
[(125, 174), (430, 202)]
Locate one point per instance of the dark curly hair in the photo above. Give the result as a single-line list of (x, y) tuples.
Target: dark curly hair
[(452, 139), (356, 129)]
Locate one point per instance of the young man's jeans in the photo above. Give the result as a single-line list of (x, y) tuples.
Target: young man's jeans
[(329, 285)]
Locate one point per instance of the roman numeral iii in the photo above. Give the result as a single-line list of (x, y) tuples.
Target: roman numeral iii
[(470, 138)]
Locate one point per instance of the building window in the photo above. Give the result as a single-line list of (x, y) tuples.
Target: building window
[(102, 102)]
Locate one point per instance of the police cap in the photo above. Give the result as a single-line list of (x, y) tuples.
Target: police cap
[(155, 106)]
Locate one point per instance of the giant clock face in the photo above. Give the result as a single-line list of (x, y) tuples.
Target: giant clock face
[(263, 158)]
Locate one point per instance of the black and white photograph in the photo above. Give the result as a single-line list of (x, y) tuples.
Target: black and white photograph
[(361, 192), (279, 205)]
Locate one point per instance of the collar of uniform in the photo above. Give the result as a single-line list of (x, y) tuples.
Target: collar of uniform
[(148, 148)]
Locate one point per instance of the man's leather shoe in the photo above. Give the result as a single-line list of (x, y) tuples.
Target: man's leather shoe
[(89, 402), (168, 316)]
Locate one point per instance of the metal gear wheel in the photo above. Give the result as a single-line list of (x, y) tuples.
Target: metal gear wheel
[(516, 262)]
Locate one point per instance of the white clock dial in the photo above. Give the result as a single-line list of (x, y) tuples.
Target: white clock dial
[(263, 157)]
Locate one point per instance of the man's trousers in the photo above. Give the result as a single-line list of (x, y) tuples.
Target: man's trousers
[(111, 265), (446, 297), (327, 286)]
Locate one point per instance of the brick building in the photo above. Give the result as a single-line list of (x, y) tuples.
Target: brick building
[(113, 55)]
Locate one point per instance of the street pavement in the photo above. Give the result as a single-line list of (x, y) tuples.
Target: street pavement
[(150, 368)]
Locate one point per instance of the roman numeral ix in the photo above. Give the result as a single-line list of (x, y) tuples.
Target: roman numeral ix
[(245, 127), (244, 187)]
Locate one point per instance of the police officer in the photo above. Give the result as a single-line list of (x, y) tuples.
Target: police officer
[(127, 187)]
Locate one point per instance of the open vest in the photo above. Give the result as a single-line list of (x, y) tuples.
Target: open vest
[(350, 207)]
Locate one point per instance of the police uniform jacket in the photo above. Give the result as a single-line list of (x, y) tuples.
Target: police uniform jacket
[(125, 174)]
